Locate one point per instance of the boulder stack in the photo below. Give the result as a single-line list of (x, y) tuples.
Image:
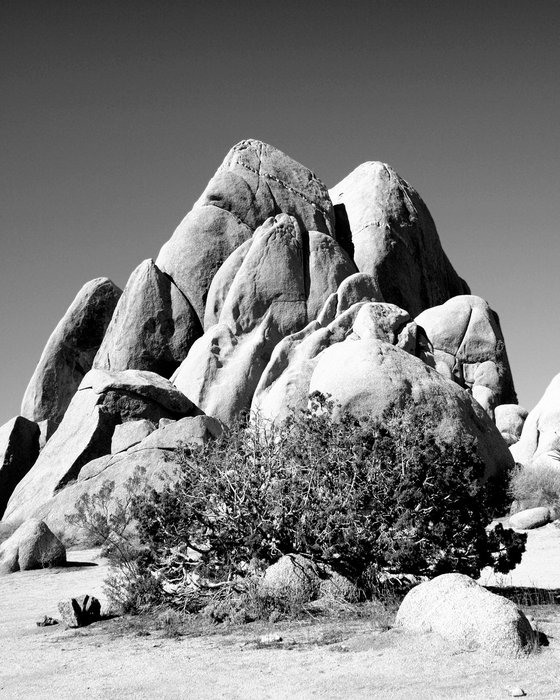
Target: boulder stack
[(269, 289)]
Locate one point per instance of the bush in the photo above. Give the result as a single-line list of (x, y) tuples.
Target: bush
[(536, 486), (361, 497)]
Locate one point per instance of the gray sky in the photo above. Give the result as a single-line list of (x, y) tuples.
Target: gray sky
[(115, 114)]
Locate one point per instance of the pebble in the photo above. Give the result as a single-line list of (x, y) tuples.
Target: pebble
[(516, 692), (270, 639)]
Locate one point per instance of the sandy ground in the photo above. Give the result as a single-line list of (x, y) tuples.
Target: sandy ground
[(349, 659)]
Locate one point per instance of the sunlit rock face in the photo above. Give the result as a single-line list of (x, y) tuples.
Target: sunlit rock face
[(395, 239)]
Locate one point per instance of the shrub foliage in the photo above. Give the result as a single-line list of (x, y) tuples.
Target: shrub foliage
[(360, 496)]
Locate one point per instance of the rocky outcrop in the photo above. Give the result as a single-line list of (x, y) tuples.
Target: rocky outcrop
[(32, 546), (19, 448), (468, 346), (153, 326), (395, 239), (463, 612), (282, 283), (103, 400), (509, 419), (540, 437), (284, 385), (148, 464), (69, 353), (255, 181), (367, 377)]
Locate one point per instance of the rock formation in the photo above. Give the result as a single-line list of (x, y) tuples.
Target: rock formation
[(103, 401), (395, 239), (32, 546), (265, 293), (255, 181), (469, 347), (282, 282), (152, 328), (510, 418), (69, 353), (540, 437)]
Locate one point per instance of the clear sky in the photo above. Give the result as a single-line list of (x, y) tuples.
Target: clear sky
[(115, 114)]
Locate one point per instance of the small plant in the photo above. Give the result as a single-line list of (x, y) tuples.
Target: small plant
[(107, 520), (536, 486)]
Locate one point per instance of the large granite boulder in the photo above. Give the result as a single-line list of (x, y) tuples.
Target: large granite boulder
[(469, 347), (103, 400), (395, 239), (463, 612), (19, 448), (540, 437), (255, 181), (284, 384), (367, 376), (298, 578), (69, 353), (282, 283), (509, 419), (32, 546), (153, 326), (148, 464)]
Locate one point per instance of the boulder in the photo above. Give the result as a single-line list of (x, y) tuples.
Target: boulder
[(148, 464), (19, 448), (531, 518), (468, 345), (509, 419), (463, 612), (284, 384), (540, 436), (298, 578), (395, 239), (69, 353), (128, 434), (367, 377), (32, 546), (103, 401), (281, 284), (153, 326), (255, 181), (80, 611)]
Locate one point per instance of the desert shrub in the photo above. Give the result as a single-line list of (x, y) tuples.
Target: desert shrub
[(536, 486), (106, 519), (362, 497)]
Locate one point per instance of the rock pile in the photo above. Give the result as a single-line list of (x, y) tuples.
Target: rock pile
[(270, 288)]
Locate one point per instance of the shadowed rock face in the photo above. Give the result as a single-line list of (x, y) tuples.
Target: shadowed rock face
[(19, 448), (254, 182), (153, 326), (395, 239), (69, 353)]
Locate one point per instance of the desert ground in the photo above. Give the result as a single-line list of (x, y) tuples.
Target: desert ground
[(337, 658)]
